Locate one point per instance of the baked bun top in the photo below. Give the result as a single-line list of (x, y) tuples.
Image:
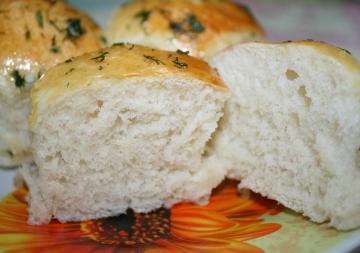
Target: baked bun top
[(44, 33), (340, 54), (202, 27), (119, 62)]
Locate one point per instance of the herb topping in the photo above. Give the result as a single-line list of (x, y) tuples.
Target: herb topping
[(195, 25), (40, 19), (153, 59), (54, 48), (27, 33), (101, 57), (74, 28), (103, 40), (189, 25), (143, 16), (183, 52), (10, 153), (69, 71), (18, 79), (69, 60), (119, 44), (180, 65)]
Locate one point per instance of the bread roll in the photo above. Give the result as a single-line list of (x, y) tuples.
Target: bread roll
[(34, 35), (291, 131), (124, 127), (202, 27)]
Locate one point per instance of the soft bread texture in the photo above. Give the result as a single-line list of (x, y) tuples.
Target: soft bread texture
[(124, 127), (291, 131), (202, 27), (34, 35)]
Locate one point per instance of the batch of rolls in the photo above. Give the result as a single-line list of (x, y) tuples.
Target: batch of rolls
[(97, 122)]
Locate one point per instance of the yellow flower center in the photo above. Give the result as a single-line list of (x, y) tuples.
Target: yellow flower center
[(129, 229)]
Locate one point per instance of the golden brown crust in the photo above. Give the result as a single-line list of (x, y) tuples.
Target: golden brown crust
[(202, 27), (342, 55), (118, 62), (43, 33)]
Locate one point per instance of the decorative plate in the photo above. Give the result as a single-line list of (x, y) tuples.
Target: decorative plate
[(231, 222)]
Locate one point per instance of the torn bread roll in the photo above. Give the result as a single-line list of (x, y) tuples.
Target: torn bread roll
[(291, 131), (124, 127), (34, 35), (202, 27)]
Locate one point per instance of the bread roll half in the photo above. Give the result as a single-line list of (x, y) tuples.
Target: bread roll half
[(34, 35), (291, 131), (124, 127), (202, 27)]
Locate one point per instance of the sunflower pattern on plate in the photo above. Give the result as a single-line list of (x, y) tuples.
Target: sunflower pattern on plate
[(224, 225)]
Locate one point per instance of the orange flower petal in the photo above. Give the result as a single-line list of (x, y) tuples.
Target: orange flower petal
[(222, 226)]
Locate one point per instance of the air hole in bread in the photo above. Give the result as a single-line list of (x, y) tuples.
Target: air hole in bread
[(303, 93), (291, 75)]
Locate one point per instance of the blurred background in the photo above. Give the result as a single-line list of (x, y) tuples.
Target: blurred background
[(333, 21)]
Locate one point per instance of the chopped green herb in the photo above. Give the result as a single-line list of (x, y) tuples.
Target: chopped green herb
[(18, 79), (180, 65), (74, 28), (345, 50), (153, 59), (53, 23), (119, 44), (54, 48), (40, 19), (190, 24), (101, 57), (27, 33), (195, 25), (69, 60), (143, 16), (103, 40), (183, 52), (176, 27), (10, 153), (67, 85), (69, 71), (39, 75)]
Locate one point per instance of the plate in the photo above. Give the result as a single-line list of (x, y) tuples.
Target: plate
[(231, 222)]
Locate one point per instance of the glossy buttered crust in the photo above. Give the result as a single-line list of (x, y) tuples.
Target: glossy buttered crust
[(44, 32), (203, 27), (340, 54), (119, 62)]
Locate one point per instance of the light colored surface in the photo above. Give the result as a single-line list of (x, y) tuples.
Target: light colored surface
[(140, 121), (292, 127)]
